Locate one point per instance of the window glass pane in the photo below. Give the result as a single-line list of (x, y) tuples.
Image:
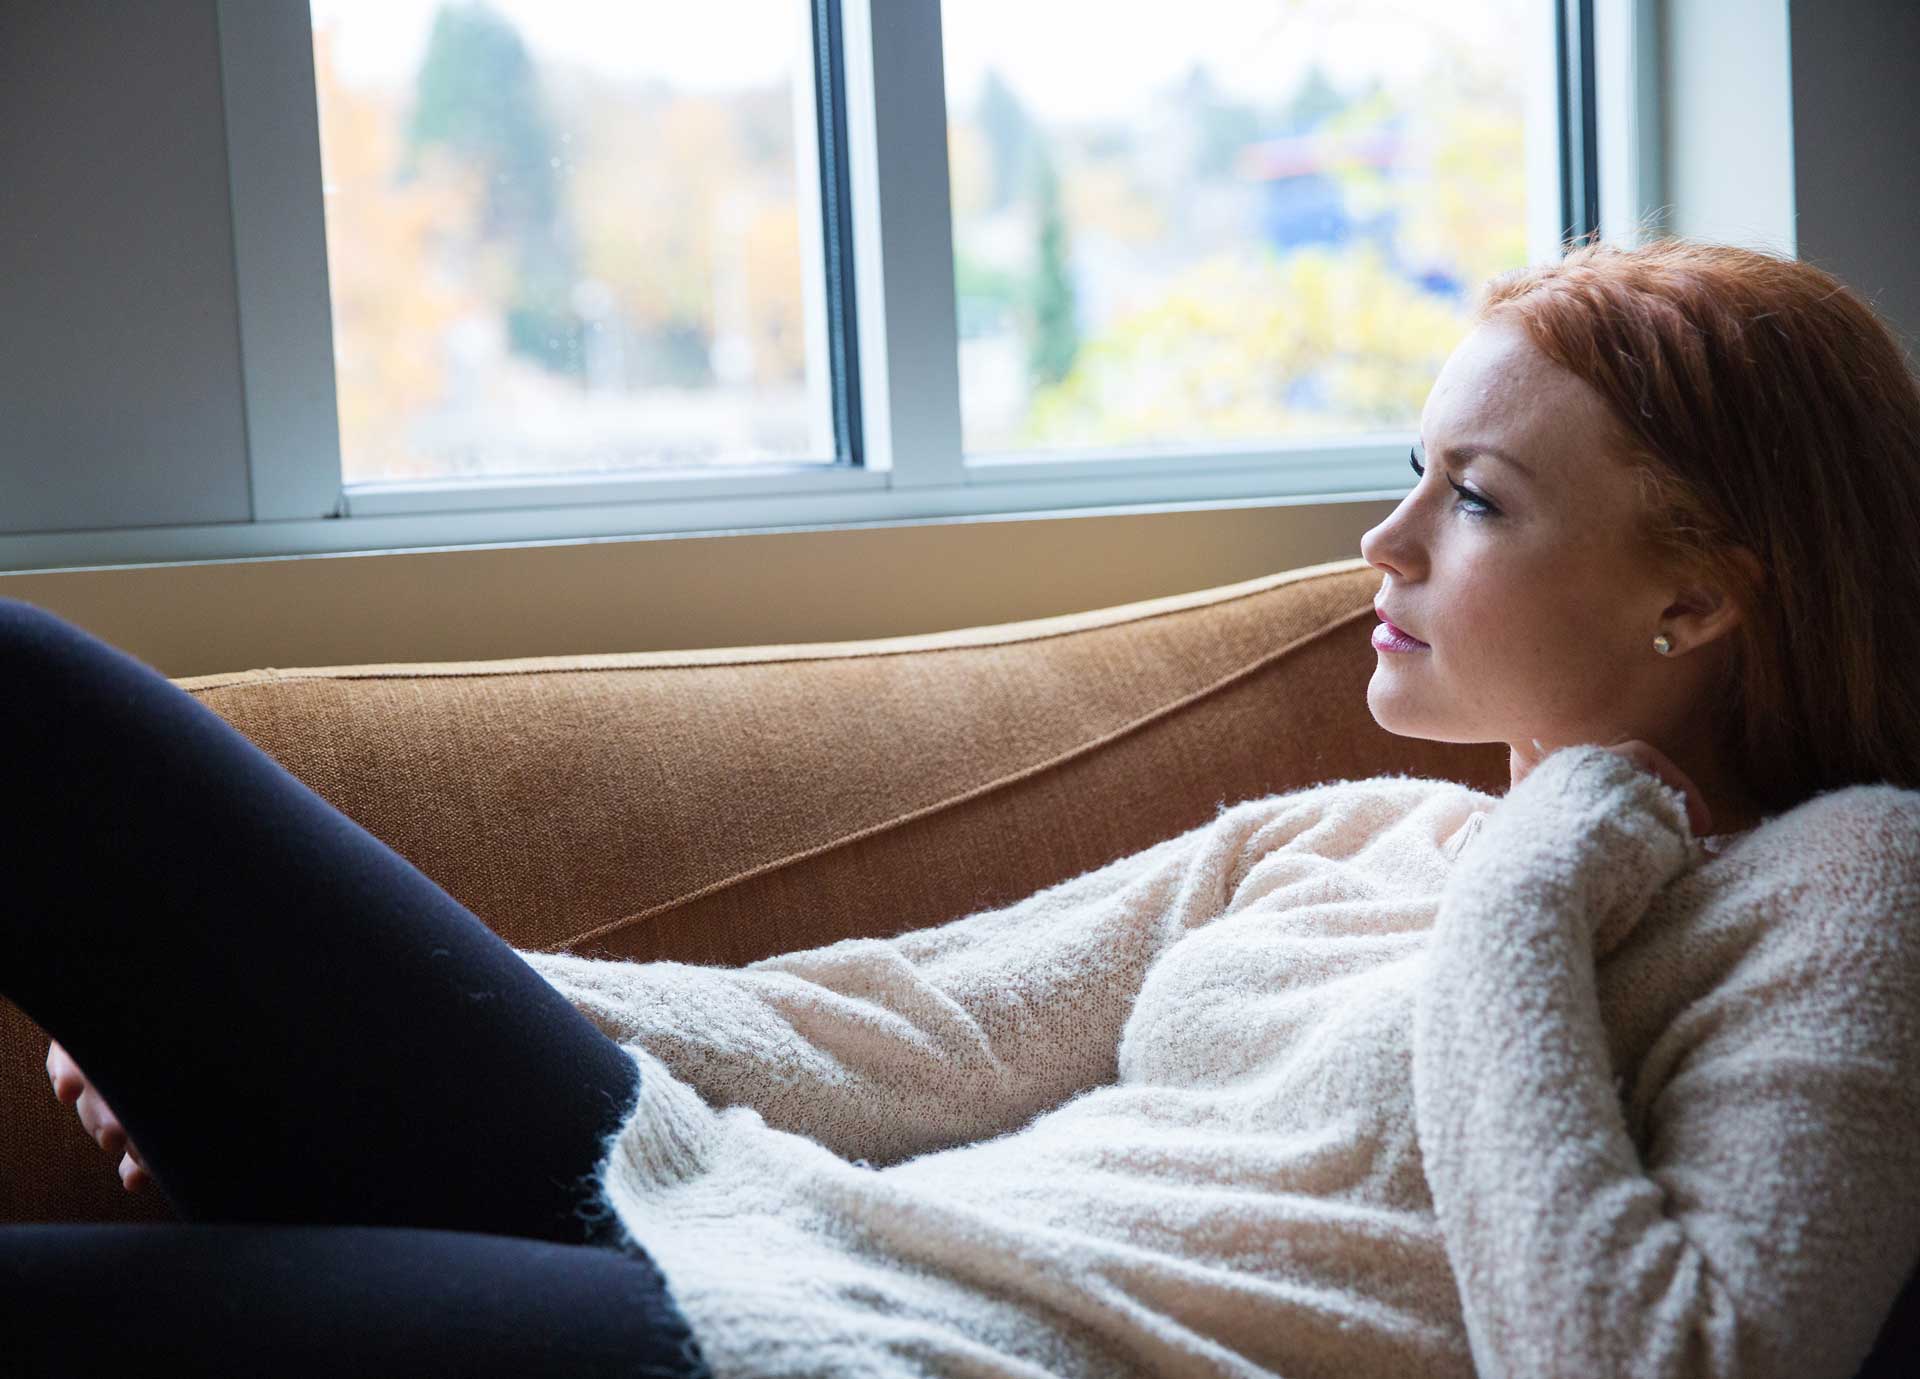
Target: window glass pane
[(1223, 222), (568, 236)]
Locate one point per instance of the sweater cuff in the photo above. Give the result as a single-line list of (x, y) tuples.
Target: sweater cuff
[(670, 1136)]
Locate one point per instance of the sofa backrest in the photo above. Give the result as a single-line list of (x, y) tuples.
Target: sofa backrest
[(722, 805)]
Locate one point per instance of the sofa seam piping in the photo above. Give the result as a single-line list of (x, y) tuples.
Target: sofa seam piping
[(278, 678)]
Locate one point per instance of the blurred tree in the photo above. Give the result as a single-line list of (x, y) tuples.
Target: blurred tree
[(395, 286), (1315, 98), (1110, 198), (1463, 204), (1226, 126), (1330, 338), (763, 124), (1324, 341), (650, 173), (1055, 339), (477, 96), (988, 297), (1012, 134), (969, 169), (777, 317)]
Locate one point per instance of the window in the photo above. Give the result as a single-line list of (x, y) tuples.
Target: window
[(509, 271), (571, 237), (1219, 223)]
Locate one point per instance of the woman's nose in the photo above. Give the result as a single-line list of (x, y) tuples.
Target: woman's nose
[(1373, 548), (1381, 547), (1370, 547)]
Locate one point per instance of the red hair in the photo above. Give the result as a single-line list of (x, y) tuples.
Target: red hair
[(1762, 406)]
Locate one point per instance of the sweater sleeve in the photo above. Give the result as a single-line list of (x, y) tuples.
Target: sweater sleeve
[(1777, 1213), (882, 1049)]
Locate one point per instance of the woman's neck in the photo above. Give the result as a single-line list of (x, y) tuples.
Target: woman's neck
[(1730, 809)]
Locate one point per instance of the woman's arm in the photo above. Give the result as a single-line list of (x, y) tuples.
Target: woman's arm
[(1777, 1213), (882, 1049)]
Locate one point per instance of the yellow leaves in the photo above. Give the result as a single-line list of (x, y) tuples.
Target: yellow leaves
[(645, 197), (969, 169), (1218, 355), (771, 250), (1468, 206), (393, 268), (1255, 342), (1106, 197)]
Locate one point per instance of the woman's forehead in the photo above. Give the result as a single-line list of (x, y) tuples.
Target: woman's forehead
[(1498, 390)]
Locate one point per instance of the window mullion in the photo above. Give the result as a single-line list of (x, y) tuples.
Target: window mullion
[(280, 258), (1627, 59), (903, 241)]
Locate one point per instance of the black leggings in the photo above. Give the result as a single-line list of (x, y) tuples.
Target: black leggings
[(378, 1127)]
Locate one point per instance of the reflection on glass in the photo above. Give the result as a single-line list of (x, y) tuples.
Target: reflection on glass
[(1219, 222), (571, 237)]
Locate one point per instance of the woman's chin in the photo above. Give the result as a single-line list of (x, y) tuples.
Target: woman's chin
[(1397, 710), (1383, 702)]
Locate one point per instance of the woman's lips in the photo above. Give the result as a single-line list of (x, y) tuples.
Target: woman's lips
[(1387, 637)]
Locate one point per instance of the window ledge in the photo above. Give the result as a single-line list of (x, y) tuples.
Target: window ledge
[(414, 517)]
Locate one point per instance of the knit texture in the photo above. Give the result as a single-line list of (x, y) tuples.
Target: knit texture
[(1383, 1077)]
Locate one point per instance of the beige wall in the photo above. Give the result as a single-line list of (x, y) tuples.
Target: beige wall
[(674, 592)]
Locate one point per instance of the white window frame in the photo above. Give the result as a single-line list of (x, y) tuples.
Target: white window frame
[(911, 469)]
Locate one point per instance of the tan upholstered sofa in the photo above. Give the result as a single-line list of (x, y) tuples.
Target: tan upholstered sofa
[(719, 806)]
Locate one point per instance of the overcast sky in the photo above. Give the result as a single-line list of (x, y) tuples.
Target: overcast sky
[(1067, 59)]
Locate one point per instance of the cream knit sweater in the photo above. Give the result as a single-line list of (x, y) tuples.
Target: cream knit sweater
[(1384, 1077)]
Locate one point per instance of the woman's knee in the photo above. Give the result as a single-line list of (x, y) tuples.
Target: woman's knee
[(32, 636), (48, 665)]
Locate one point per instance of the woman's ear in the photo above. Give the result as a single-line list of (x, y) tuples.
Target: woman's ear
[(1705, 611), (1749, 563)]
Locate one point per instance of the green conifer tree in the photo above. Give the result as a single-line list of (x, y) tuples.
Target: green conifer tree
[(1056, 332), (477, 95)]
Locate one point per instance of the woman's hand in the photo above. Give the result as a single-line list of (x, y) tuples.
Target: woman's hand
[(70, 1084), (1653, 761)]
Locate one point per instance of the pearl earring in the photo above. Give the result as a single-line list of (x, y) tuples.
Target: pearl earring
[(1663, 644)]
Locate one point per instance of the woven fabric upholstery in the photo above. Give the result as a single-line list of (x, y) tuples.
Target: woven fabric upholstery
[(718, 806)]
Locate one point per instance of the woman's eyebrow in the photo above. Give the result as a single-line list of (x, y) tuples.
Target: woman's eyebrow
[(1460, 454)]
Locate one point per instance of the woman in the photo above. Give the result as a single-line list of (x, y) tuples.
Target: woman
[(1616, 1073)]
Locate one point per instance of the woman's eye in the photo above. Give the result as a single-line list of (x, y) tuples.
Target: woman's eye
[(1470, 503)]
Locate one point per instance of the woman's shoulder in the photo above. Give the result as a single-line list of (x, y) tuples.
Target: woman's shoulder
[(1873, 826), (1843, 856), (1395, 791)]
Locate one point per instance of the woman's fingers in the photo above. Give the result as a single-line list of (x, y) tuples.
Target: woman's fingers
[(96, 1117), (100, 1122), (1658, 764), (64, 1073)]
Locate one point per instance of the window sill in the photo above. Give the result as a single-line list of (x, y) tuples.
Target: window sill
[(394, 518)]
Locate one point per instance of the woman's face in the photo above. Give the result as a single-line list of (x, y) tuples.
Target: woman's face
[(1538, 607)]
